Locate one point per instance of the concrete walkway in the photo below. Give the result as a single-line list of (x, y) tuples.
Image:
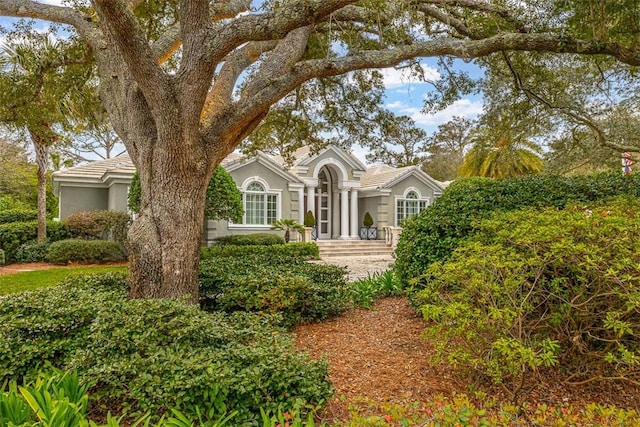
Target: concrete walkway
[(360, 267)]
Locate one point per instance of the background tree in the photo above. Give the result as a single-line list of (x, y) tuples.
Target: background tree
[(399, 144), (186, 82), (502, 150), (41, 88), (446, 148), (18, 184)]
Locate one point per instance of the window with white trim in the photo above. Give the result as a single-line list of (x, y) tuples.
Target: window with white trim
[(409, 206), (260, 207)]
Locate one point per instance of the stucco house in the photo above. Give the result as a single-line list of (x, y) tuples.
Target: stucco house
[(336, 186)]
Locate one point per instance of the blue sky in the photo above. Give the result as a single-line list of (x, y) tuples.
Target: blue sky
[(403, 96)]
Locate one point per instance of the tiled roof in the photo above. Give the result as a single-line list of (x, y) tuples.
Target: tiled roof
[(115, 165), (379, 176), (96, 170)]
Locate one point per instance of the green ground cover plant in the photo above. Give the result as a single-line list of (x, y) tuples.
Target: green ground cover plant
[(364, 292), (434, 234), (156, 355), (541, 289), (30, 280)]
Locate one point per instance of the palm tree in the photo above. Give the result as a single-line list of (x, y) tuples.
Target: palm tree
[(287, 225), (43, 89), (506, 158)]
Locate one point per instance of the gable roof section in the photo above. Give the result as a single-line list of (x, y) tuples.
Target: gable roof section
[(263, 159), (303, 157), (385, 177)]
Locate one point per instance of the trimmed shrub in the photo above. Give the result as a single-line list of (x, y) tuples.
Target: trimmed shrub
[(538, 289), (33, 252), (368, 220), (84, 251), (14, 235), (309, 220), (254, 239), (433, 234), (295, 290), (18, 215), (103, 225), (152, 355), (273, 254), (2, 260)]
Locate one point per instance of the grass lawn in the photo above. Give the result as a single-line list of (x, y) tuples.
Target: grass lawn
[(29, 280)]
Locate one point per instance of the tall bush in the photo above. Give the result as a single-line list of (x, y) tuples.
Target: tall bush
[(434, 233), (536, 289)]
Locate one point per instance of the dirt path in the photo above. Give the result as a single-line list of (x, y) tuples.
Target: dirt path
[(377, 355)]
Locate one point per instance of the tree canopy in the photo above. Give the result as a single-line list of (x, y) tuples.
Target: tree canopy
[(185, 82)]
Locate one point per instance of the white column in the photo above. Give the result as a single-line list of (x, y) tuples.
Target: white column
[(311, 200), (344, 214), (354, 213), (301, 211)]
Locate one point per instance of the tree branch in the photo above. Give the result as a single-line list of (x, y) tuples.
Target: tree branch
[(127, 35), (237, 62), (59, 14)]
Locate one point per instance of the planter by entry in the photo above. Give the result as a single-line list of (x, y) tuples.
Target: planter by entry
[(368, 233)]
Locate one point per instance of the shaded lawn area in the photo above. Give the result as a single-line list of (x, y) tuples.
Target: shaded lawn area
[(29, 280)]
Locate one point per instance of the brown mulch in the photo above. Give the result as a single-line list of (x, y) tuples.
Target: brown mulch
[(33, 266), (379, 357)]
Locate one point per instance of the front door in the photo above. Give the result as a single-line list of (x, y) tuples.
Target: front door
[(323, 206)]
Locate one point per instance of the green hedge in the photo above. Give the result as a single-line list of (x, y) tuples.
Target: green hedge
[(539, 288), (33, 252), (433, 234), (151, 355), (272, 252), (84, 251), (296, 291), (265, 239), (2, 259), (16, 234), (18, 215)]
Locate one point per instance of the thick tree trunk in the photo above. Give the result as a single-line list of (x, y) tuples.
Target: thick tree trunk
[(164, 241), (42, 162)]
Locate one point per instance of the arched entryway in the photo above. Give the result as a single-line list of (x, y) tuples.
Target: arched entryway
[(333, 199)]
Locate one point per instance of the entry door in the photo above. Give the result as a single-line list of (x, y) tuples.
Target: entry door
[(323, 207)]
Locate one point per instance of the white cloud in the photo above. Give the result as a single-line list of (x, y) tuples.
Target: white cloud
[(463, 107), (394, 78)]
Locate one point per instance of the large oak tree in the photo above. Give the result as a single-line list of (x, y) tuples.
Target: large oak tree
[(185, 82)]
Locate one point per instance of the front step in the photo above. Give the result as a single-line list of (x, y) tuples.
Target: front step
[(346, 248)]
